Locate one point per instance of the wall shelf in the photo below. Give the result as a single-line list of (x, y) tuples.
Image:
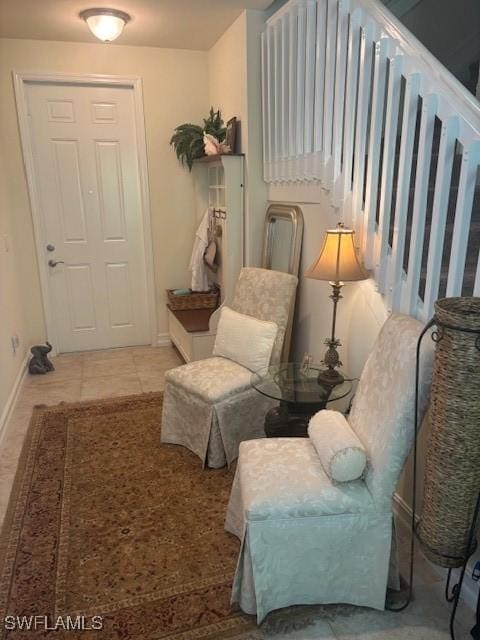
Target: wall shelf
[(217, 158), (219, 184)]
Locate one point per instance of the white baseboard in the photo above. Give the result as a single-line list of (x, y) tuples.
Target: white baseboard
[(403, 510), (163, 340), (12, 398), (469, 588)]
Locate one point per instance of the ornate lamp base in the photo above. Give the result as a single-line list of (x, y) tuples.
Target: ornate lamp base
[(330, 377), (331, 359)]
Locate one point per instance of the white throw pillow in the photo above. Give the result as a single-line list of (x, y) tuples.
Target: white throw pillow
[(244, 339), (340, 451)]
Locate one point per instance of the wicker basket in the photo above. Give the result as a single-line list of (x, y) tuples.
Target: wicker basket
[(452, 475), (207, 300)]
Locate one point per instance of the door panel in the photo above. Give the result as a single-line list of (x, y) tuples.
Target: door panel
[(60, 111), (70, 204), (104, 112), (79, 288), (119, 295), (88, 184), (110, 190)]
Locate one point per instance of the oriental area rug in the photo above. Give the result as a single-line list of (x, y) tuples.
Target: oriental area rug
[(111, 535)]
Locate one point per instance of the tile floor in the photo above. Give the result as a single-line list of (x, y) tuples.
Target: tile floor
[(101, 374), (81, 376)]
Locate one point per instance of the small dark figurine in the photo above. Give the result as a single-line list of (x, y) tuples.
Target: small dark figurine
[(39, 363)]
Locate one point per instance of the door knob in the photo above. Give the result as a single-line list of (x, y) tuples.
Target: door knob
[(53, 263)]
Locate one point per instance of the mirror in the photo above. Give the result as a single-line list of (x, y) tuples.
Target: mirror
[(283, 238), (282, 247)]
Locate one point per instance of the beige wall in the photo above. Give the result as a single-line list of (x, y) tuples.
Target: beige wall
[(227, 75), (13, 315), (361, 312), (175, 87), (256, 200), (235, 88)]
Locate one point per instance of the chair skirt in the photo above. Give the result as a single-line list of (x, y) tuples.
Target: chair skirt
[(294, 554), (213, 431)]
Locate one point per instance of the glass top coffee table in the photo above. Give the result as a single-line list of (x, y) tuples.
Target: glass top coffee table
[(300, 395)]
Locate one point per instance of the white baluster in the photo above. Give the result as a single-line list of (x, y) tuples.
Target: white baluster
[(410, 107), (302, 29), (422, 181), (382, 49), (320, 47), (463, 215), (277, 117), (476, 286), (271, 103), (329, 90), (308, 140), (446, 154), (339, 100), (284, 97), (292, 100), (265, 111), (350, 108), (388, 165), (364, 84)]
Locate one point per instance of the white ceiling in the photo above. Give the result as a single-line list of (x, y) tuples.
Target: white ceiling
[(180, 24)]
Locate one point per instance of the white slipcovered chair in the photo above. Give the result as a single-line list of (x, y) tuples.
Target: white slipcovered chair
[(209, 406), (307, 539)]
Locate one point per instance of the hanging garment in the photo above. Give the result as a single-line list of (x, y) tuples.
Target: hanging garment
[(210, 253), (197, 265)]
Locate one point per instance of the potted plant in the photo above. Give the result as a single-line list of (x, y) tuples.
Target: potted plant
[(187, 139)]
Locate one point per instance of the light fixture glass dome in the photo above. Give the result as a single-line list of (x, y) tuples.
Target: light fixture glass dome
[(105, 24)]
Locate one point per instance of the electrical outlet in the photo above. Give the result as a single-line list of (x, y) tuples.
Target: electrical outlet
[(15, 340)]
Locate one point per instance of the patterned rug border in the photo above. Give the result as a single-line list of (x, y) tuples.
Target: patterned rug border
[(233, 628), (39, 415)]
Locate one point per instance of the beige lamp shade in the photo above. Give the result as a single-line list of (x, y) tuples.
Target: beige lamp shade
[(338, 260)]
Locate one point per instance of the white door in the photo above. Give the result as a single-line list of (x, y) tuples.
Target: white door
[(88, 188)]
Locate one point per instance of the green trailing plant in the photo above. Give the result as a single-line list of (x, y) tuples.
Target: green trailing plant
[(187, 139)]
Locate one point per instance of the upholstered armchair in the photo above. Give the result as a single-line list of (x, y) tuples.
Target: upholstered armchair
[(209, 406), (307, 539)]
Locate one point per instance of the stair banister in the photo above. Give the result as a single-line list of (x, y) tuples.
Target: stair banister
[(425, 140), (424, 61), (463, 212), (389, 153), (352, 101)]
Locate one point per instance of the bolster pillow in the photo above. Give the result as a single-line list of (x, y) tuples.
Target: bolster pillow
[(341, 453)]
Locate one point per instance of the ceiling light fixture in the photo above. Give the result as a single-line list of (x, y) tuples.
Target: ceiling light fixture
[(105, 24)]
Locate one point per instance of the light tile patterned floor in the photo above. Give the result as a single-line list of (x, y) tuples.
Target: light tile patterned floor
[(103, 374), (81, 376)]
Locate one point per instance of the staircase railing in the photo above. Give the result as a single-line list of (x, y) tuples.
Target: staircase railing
[(352, 100)]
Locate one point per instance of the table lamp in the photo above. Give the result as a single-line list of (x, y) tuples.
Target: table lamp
[(337, 263)]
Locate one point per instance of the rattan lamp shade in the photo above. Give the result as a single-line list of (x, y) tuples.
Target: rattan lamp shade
[(337, 261)]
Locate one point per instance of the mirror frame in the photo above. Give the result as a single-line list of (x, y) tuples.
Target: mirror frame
[(293, 214)]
